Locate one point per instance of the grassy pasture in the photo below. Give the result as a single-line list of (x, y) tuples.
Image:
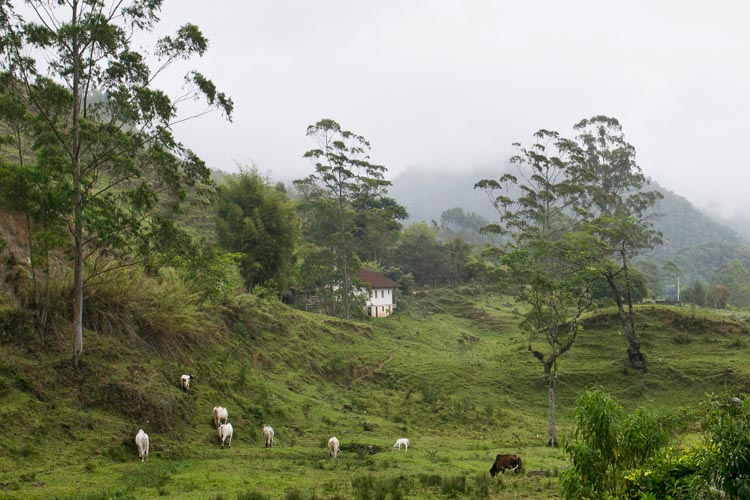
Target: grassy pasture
[(450, 371)]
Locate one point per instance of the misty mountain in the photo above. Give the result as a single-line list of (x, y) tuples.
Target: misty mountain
[(739, 222), (685, 226), (696, 241), (427, 192)]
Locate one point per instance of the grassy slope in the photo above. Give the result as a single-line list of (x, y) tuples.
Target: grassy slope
[(451, 373)]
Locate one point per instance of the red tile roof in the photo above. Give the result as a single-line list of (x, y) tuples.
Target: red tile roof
[(376, 280)]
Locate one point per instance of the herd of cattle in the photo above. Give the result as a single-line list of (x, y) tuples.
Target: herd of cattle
[(502, 462)]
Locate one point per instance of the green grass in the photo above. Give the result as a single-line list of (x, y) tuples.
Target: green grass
[(450, 371)]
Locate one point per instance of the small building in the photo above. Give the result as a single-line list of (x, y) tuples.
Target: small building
[(382, 299)]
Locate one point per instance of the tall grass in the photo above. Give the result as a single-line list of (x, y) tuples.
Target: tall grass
[(161, 310)]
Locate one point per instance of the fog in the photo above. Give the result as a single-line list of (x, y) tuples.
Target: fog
[(451, 84)]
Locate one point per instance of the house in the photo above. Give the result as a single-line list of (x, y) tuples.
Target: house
[(382, 299)]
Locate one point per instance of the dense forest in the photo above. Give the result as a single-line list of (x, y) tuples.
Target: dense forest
[(110, 227)]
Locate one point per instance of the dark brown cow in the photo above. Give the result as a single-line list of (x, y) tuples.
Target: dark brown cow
[(502, 462)]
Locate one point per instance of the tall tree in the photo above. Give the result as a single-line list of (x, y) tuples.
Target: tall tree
[(615, 205), (347, 178), (697, 293), (457, 253), (552, 262), (257, 220), (735, 276), (114, 135), (422, 254), (377, 226), (653, 274)]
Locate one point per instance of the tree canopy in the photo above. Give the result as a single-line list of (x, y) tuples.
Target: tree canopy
[(258, 221), (99, 130)]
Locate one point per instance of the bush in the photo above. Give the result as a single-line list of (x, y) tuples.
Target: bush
[(606, 443), (668, 475), (15, 325), (726, 425), (719, 470)]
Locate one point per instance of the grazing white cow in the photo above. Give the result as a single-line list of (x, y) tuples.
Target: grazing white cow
[(220, 415), (225, 433), (402, 442), (333, 447), (268, 435), (185, 381), (141, 441)]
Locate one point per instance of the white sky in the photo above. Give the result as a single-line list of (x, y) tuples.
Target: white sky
[(452, 83)]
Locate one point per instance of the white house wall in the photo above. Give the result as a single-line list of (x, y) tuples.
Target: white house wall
[(381, 297), (381, 302)]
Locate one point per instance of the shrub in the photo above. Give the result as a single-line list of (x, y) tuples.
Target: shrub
[(726, 425), (668, 475), (607, 442), (718, 470), (15, 325)]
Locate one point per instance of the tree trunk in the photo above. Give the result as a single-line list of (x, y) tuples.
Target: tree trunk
[(551, 382), (347, 307), (78, 277), (344, 253), (552, 418), (635, 357), (34, 284), (78, 201)]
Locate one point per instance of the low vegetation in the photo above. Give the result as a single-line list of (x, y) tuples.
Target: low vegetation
[(451, 372)]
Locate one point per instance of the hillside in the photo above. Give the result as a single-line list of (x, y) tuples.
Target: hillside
[(428, 192), (450, 363), (688, 233), (684, 226)]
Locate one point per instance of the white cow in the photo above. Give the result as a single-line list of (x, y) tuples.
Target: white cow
[(268, 435), (220, 415), (225, 433), (333, 447), (141, 441), (402, 442), (185, 381)]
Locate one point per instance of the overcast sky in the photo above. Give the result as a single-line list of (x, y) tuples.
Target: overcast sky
[(452, 83)]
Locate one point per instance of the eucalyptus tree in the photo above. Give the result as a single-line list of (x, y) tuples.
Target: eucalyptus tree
[(350, 184), (615, 205), (377, 226), (552, 261), (102, 121)]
